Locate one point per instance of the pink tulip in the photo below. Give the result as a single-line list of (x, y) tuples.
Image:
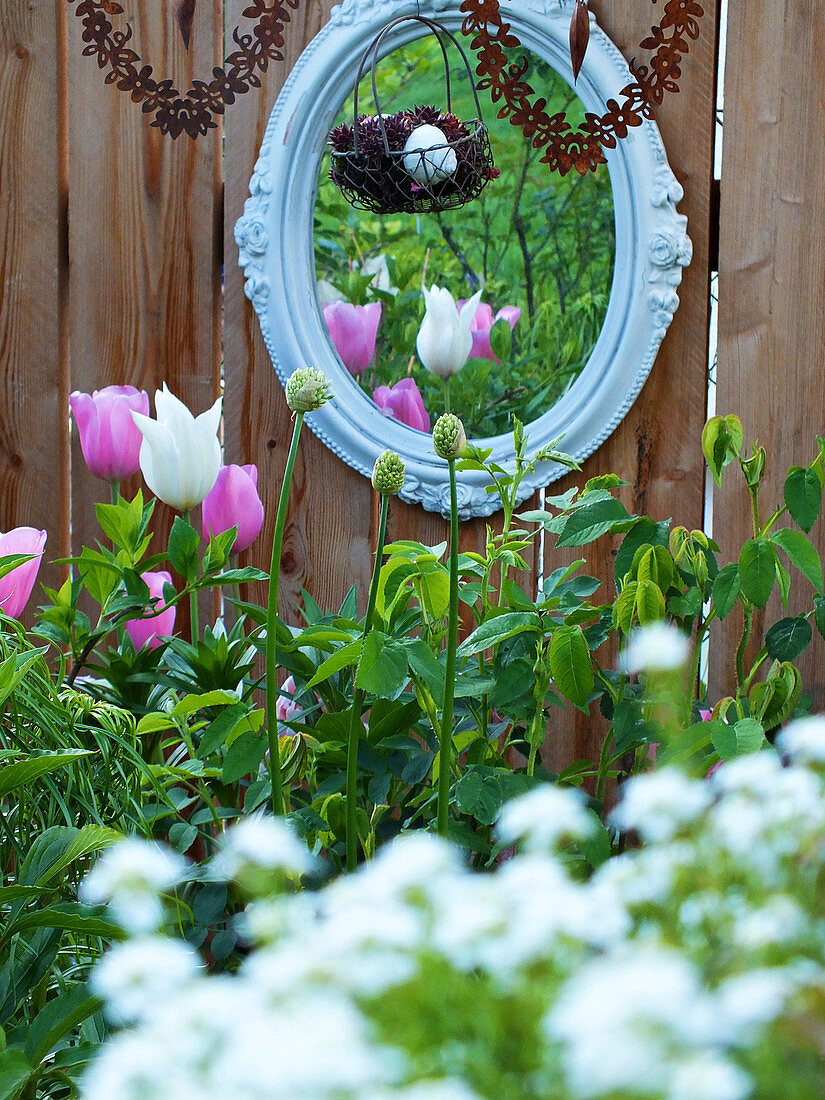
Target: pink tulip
[(404, 402), (482, 323), (149, 630), (286, 708), (353, 330), (109, 438), (16, 586), (233, 501)]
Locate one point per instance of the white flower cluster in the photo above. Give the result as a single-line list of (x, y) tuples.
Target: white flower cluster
[(691, 969)]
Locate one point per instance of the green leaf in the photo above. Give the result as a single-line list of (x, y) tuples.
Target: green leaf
[(650, 603), (57, 847), (182, 836), (788, 638), (689, 748), (15, 1071), (802, 553), (722, 439), (496, 629), (425, 665), (757, 571), (744, 737), (725, 590), (591, 521), (23, 772), (184, 541), (803, 496), (219, 730), (629, 726), (501, 339), (643, 531), (57, 1019), (191, 704), (479, 795), (819, 614), (243, 757), (382, 670), (686, 605), (342, 658), (100, 576), (15, 669), (570, 667), (435, 592), (391, 718), (69, 917)]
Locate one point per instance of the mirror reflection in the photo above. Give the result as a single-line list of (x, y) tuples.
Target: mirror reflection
[(539, 246)]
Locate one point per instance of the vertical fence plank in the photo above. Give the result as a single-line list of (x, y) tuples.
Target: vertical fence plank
[(657, 448), (771, 283), (33, 439), (332, 529), (326, 544), (145, 241)]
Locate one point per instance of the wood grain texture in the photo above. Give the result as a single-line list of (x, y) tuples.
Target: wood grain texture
[(144, 237), (327, 539), (657, 447), (33, 440), (772, 276), (333, 517)]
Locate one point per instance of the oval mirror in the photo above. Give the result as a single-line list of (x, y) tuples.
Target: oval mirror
[(579, 271)]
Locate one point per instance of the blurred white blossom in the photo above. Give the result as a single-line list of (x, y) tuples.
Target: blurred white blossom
[(656, 647), (130, 877)]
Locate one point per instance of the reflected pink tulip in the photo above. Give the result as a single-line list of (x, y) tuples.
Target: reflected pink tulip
[(483, 322), (353, 330), (16, 586), (404, 402), (233, 501), (150, 630), (109, 438)]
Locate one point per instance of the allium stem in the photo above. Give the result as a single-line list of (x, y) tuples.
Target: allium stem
[(446, 733), (275, 773), (194, 624), (358, 699)]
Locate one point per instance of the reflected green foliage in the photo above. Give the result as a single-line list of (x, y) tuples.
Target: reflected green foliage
[(533, 240)]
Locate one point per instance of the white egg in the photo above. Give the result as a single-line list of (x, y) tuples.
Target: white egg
[(428, 158)]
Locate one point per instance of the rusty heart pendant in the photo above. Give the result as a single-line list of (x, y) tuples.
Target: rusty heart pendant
[(192, 113)]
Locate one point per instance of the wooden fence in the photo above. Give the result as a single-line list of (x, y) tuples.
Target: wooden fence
[(114, 238)]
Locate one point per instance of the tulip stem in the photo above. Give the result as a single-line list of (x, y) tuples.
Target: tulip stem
[(446, 395), (194, 625), (446, 732), (358, 699), (114, 488), (275, 773)]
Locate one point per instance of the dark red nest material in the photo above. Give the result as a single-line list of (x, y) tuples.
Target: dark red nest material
[(371, 175)]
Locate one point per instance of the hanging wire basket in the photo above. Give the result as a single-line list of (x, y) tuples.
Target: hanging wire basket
[(420, 160)]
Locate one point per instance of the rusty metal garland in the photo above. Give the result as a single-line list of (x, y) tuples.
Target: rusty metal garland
[(499, 72)]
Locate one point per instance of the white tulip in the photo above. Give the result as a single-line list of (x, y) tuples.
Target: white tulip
[(180, 455), (444, 341)]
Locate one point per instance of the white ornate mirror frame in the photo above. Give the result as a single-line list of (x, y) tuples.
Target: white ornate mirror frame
[(275, 238)]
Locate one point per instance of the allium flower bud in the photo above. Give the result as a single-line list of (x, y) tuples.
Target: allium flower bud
[(388, 474), (307, 390), (449, 437)]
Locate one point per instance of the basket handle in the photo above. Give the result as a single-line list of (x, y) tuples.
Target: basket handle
[(438, 30)]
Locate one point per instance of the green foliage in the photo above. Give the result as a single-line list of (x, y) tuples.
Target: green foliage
[(540, 242)]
